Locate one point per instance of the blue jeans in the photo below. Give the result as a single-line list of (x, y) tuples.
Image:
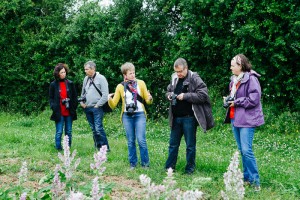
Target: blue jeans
[(135, 128), (186, 126), (67, 121), (244, 138), (95, 119)]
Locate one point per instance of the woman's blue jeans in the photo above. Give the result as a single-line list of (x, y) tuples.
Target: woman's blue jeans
[(244, 138), (67, 121), (135, 128), (187, 127), (95, 119)]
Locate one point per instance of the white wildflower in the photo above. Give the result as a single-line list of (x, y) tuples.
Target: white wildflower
[(23, 173), (233, 179)]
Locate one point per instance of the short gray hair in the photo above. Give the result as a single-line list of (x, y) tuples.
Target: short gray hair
[(90, 64), (126, 67), (181, 62)]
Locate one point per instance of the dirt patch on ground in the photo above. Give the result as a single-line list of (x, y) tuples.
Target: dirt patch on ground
[(122, 188)]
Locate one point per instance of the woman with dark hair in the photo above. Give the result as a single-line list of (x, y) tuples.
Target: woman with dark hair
[(245, 114), (63, 103)]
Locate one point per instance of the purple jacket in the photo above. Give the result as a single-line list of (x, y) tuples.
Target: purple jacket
[(248, 108)]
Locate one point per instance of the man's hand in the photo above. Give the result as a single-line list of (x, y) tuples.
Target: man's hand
[(83, 105), (180, 96)]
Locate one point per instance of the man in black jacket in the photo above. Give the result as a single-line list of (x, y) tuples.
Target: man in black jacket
[(189, 106)]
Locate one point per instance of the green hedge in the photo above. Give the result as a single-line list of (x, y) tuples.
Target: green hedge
[(151, 34)]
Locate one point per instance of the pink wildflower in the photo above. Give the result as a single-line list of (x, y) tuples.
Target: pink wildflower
[(23, 196), (67, 159), (57, 186), (100, 158), (76, 196), (95, 190)]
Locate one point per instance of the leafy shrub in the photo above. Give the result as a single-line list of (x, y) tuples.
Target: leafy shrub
[(151, 35)]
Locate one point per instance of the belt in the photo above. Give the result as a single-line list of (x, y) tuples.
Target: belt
[(185, 116)]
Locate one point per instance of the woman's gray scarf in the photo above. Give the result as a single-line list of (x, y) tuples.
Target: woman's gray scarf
[(236, 79)]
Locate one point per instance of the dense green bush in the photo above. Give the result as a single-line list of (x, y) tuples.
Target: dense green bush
[(151, 34)]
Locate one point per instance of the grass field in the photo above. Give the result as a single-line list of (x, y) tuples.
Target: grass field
[(276, 146)]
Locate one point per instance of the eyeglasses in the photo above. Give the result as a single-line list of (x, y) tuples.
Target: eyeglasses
[(179, 71)]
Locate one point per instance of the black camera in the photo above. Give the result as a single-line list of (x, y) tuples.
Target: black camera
[(130, 108), (173, 99), (66, 102), (227, 100), (81, 99)]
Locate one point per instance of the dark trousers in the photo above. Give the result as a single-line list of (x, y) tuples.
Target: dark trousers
[(187, 127)]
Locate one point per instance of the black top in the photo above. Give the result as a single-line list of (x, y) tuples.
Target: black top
[(182, 107), (54, 99)]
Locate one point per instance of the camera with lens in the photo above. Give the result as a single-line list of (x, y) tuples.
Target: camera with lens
[(227, 100), (130, 108), (81, 99), (173, 99), (66, 102)]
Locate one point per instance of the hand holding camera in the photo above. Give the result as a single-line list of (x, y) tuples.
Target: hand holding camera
[(82, 101), (66, 102), (174, 99), (228, 101)]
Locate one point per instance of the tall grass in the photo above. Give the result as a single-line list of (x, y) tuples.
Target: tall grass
[(276, 146)]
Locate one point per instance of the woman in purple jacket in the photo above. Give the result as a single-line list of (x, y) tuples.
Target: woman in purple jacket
[(245, 113)]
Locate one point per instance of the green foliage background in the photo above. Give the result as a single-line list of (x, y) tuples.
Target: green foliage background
[(36, 35)]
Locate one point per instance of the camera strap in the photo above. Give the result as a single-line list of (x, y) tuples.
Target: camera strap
[(96, 88), (91, 82)]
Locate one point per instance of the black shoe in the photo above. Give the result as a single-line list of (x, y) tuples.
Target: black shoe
[(189, 172)]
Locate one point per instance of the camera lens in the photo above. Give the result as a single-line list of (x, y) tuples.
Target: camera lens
[(174, 100), (130, 108), (226, 103)]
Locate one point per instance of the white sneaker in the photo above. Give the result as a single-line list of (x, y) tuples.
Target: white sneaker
[(257, 188)]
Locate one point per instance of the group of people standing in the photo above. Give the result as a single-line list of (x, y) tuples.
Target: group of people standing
[(190, 106)]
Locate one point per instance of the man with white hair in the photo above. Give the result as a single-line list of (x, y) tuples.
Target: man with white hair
[(94, 95)]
